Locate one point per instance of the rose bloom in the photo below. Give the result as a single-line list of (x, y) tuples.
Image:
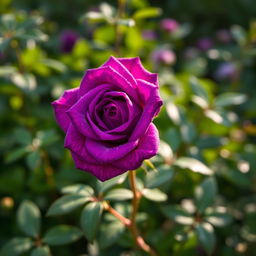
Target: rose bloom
[(68, 39), (226, 70), (169, 25), (163, 56), (204, 43), (108, 119)]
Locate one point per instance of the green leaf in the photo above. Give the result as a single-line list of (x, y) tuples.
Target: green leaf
[(154, 195), (47, 137), (6, 70), (110, 233), (22, 136), (206, 237), (33, 159), (90, 219), (62, 234), (79, 189), (4, 43), (16, 154), (41, 251), (106, 185), (149, 12), (205, 194), (66, 204), (229, 98), (198, 89), (54, 64), (133, 39), (218, 217), (119, 194), (16, 246), (193, 165), (173, 112), (178, 214), (29, 218), (163, 174), (188, 132)]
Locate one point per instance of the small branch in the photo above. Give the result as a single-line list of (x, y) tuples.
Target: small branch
[(111, 210), (118, 31)]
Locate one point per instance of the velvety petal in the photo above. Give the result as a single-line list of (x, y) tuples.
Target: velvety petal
[(121, 69), (60, 106), (107, 153), (150, 110), (102, 172), (147, 147), (81, 120), (138, 71), (102, 75)]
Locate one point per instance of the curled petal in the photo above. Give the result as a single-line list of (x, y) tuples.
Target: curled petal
[(147, 147), (102, 171), (107, 153), (138, 71), (107, 75), (121, 69), (151, 109), (63, 104)]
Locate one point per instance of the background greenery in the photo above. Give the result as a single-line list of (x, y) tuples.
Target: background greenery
[(201, 200)]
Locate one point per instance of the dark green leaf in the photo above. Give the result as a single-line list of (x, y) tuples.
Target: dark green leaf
[(67, 204), (154, 195), (79, 189), (29, 218), (163, 174), (62, 234), (90, 219), (16, 154), (110, 233), (16, 246), (178, 214), (230, 98), (193, 165), (41, 251), (206, 237), (106, 185), (119, 194), (218, 217), (198, 89), (205, 194), (33, 159), (22, 136)]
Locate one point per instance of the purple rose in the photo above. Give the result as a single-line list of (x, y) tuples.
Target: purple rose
[(68, 39), (163, 56), (108, 119), (169, 25), (204, 43), (226, 70)]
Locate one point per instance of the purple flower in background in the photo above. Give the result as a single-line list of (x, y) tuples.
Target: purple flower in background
[(204, 43), (226, 70), (169, 25), (108, 119), (68, 39), (149, 34), (223, 36), (163, 56)]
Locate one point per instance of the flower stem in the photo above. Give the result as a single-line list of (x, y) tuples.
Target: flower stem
[(133, 227), (118, 31)]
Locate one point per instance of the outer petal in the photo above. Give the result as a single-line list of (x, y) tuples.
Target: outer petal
[(138, 71), (146, 148), (150, 94), (60, 106), (121, 69), (107, 153), (102, 172), (107, 75)]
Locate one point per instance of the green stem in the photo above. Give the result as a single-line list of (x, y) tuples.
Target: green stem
[(120, 14)]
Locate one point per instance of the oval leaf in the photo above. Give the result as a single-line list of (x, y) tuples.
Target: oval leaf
[(90, 219), (62, 234), (154, 195), (119, 194), (79, 189), (41, 251), (16, 246), (67, 204), (29, 218)]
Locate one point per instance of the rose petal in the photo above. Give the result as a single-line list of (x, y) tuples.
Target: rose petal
[(138, 71), (107, 75), (102, 172), (61, 105), (107, 153), (147, 147), (150, 110), (121, 69)]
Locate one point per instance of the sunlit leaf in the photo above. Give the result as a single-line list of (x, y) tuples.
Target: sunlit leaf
[(16, 246), (118, 194), (154, 195)]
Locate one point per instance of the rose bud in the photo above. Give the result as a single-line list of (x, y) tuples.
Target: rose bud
[(68, 39)]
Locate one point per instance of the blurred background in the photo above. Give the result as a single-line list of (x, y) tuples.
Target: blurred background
[(204, 53)]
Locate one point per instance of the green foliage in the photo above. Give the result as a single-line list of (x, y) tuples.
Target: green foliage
[(197, 196)]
